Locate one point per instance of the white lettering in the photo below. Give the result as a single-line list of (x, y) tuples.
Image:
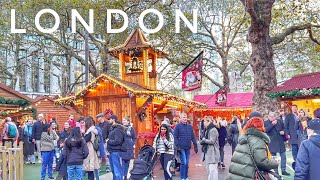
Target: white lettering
[(13, 23), (75, 15), (56, 24), (194, 27), (143, 27), (109, 17)]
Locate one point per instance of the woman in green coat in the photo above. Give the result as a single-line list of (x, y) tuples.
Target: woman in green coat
[(254, 140)]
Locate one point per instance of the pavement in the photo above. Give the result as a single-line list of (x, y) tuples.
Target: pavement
[(197, 170)]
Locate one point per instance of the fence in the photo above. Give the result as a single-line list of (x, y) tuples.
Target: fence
[(11, 162)]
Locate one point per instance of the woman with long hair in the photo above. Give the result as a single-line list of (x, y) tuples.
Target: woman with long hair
[(28, 146), (222, 130), (47, 149), (251, 152), (210, 148), (131, 141), (301, 125), (92, 161), (75, 151), (164, 144)]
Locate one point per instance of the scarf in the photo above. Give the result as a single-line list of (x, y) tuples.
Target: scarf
[(27, 130), (304, 123), (206, 136)]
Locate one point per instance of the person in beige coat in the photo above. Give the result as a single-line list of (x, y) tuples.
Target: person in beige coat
[(92, 161), (210, 148)]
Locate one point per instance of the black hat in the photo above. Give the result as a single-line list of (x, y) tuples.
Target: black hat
[(100, 115), (314, 125), (113, 117), (255, 114)]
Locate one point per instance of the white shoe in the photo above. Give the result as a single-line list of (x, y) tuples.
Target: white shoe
[(39, 161)]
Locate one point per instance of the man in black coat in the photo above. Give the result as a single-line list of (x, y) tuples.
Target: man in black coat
[(116, 145), (276, 131), (36, 134), (290, 121)]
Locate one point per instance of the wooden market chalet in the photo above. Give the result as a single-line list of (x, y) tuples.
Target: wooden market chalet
[(134, 93)]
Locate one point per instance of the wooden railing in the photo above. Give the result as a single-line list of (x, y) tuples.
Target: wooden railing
[(11, 162)]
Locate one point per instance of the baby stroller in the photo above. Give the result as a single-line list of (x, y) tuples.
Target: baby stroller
[(144, 164)]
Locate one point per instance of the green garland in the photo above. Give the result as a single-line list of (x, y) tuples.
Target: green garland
[(20, 102), (33, 110), (295, 93)]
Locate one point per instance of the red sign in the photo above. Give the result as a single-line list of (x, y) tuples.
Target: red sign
[(192, 75), (221, 96)]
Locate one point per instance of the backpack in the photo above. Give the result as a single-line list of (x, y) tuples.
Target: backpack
[(12, 131), (96, 143)]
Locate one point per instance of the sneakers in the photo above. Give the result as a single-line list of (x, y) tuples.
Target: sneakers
[(51, 177), (285, 173), (223, 166), (39, 161)]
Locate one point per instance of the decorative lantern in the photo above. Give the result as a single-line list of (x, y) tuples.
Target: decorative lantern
[(135, 65)]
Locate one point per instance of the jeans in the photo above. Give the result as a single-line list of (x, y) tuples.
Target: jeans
[(221, 149), (295, 149), (283, 161), (125, 166), (184, 158), (75, 169), (96, 173), (38, 150), (107, 158), (212, 171), (166, 160), (90, 175), (30, 158), (47, 163), (116, 168)]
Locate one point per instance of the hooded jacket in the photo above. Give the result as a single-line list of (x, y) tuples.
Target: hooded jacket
[(75, 152), (242, 166), (308, 160), (117, 139)]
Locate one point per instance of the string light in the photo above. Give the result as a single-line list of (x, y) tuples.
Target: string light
[(160, 95)]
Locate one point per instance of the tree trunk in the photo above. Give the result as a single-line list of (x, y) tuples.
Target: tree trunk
[(261, 59), (225, 74)]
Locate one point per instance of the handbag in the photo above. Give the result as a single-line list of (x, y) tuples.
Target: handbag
[(259, 175)]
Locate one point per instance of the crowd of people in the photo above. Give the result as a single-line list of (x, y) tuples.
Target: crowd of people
[(82, 146)]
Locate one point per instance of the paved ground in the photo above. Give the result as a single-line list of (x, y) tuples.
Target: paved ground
[(197, 169)]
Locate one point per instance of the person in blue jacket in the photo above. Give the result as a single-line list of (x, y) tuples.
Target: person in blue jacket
[(183, 136), (308, 158)]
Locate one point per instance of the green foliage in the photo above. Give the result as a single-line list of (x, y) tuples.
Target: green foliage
[(295, 93), (20, 102)]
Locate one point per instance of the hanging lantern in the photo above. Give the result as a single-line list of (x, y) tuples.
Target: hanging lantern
[(135, 65)]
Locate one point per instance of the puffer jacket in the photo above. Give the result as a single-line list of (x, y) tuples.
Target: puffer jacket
[(76, 152), (116, 139), (242, 166)]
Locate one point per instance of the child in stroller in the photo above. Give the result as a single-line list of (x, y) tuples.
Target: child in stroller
[(144, 164)]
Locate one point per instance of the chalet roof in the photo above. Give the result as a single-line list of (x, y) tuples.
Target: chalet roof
[(131, 88), (299, 85), (135, 40), (234, 100), (14, 92)]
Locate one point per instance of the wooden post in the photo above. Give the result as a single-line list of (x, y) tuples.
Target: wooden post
[(10, 164), (145, 67), (4, 164), (21, 160), (121, 65)]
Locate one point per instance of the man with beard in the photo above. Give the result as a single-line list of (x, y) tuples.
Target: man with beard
[(116, 145), (36, 134), (290, 121)]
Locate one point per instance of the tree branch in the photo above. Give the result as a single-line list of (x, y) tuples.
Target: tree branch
[(311, 36), (280, 37), (213, 81)]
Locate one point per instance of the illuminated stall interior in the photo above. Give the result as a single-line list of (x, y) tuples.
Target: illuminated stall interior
[(134, 93), (302, 90), (15, 105), (238, 104)]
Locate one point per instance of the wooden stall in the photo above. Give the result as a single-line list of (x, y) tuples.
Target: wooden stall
[(134, 93), (237, 104), (15, 105), (45, 105), (302, 90)]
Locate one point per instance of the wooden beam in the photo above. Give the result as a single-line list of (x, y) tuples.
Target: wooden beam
[(140, 109), (77, 108), (190, 109), (162, 105)]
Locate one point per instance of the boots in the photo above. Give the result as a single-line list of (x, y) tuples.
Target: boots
[(125, 178)]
